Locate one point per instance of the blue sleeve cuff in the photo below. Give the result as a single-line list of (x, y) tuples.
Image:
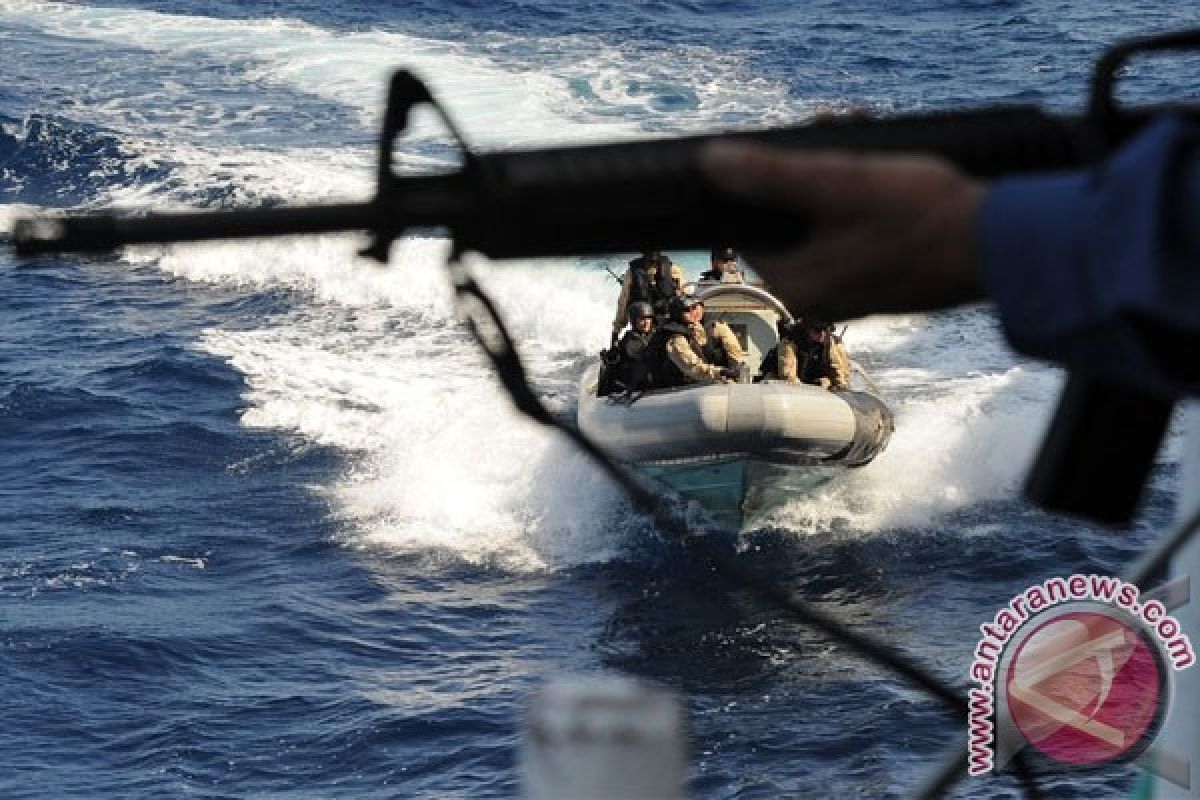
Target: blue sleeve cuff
[(1029, 230), (1071, 258)]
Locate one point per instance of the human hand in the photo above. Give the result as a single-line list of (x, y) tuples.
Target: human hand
[(885, 233)]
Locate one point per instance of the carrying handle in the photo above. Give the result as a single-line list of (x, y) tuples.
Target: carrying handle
[(1103, 108), (405, 92)]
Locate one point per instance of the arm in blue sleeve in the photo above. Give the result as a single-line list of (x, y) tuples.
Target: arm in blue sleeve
[(1100, 270)]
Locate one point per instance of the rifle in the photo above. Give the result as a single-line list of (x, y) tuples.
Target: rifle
[(642, 195), (608, 198)]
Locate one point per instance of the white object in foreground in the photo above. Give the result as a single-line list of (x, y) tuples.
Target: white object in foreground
[(602, 736)]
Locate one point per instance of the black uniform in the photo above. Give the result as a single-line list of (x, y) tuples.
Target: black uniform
[(635, 370), (814, 362), (813, 359), (657, 290)]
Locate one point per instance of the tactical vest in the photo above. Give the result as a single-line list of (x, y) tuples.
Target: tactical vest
[(636, 370), (814, 362), (666, 374), (657, 291), (714, 350)]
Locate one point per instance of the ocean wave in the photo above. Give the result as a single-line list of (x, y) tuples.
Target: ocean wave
[(49, 160)]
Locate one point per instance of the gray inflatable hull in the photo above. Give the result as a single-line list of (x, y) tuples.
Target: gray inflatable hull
[(774, 422)]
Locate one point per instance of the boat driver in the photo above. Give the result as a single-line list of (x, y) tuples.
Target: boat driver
[(691, 354), (723, 266), (651, 278), (810, 352)]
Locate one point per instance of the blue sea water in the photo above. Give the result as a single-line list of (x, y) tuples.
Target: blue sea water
[(268, 527)]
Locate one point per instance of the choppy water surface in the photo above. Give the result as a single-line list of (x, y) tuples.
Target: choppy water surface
[(268, 526)]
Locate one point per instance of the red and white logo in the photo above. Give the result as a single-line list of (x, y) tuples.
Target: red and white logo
[(1086, 688), (1078, 668)]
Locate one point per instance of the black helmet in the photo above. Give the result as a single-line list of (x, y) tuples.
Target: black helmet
[(724, 254), (683, 303), (640, 310)]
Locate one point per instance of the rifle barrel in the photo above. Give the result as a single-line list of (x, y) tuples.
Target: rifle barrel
[(100, 232), (622, 197)]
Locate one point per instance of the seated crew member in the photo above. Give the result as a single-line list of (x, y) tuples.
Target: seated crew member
[(723, 266), (651, 278), (730, 348), (690, 354), (634, 367), (811, 353), (768, 369)]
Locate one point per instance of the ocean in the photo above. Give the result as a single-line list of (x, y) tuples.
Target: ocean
[(269, 526)]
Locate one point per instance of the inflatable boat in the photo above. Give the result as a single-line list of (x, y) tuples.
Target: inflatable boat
[(739, 448)]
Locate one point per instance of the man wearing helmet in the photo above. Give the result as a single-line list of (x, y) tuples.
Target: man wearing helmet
[(690, 354), (634, 370), (810, 352), (652, 278)]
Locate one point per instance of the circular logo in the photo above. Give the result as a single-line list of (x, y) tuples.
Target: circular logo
[(1086, 688)]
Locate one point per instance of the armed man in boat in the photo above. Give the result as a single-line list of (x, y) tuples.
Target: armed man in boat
[(651, 278), (688, 353), (723, 267), (810, 352), (633, 369)]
